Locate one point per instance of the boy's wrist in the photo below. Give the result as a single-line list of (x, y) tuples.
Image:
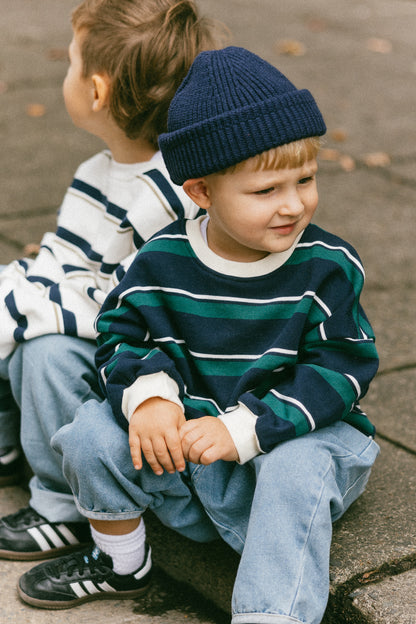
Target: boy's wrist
[(241, 425), (147, 387)]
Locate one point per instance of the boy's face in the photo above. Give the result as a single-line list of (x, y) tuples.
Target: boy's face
[(254, 213), (77, 89)]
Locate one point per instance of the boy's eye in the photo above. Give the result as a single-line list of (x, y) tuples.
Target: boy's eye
[(265, 191), (305, 180)]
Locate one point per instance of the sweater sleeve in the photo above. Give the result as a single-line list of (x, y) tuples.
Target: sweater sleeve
[(132, 367), (54, 293)]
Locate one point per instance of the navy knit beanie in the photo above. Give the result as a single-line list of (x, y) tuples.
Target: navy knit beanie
[(233, 105)]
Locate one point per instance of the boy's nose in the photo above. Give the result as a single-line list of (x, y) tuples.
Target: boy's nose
[(291, 204)]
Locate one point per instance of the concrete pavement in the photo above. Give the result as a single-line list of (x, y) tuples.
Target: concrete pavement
[(359, 60)]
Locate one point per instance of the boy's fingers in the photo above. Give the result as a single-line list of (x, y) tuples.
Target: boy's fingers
[(197, 449), (136, 454), (189, 436), (162, 455), (209, 456), (151, 458), (176, 453), (187, 427)]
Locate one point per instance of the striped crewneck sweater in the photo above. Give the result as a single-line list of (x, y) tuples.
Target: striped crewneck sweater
[(275, 348), (107, 213)]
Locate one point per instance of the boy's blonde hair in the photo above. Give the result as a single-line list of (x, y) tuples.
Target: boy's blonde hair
[(290, 155), (146, 48)]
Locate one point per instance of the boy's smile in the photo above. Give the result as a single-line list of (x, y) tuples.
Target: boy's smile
[(254, 213)]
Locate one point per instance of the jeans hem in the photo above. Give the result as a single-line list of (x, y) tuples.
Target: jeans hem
[(108, 515), (264, 618), (54, 506)]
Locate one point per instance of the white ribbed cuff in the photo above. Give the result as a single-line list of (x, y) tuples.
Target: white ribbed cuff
[(147, 387), (241, 425)]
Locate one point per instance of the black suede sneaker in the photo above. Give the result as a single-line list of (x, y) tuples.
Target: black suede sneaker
[(27, 536), (81, 577), (11, 465)]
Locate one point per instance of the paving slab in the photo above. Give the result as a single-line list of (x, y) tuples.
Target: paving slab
[(391, 601), (390, 404), (40, 146), (41, 153), (375, 215), (28, 32), (391, 310), (403, 170), (16, 233)]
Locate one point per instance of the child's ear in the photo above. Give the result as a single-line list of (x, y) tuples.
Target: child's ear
[(101, 86), (197, 189)]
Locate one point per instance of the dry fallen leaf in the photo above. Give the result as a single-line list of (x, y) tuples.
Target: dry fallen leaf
[(35, 110), (31, 249), (377, 159), (383, 46), (291, 47), (338, 134), (347, 163)]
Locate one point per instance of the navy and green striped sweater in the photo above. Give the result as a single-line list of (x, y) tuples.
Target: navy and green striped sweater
[(282, 341)]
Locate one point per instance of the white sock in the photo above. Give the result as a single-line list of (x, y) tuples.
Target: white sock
[(126, 551)]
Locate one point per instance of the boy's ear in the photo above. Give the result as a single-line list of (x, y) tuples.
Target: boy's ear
[(198, 190), (101, 85)]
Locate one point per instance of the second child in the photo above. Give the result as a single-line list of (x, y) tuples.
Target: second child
[(127, 59)]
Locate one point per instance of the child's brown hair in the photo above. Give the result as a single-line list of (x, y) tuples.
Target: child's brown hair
[(146, 48)]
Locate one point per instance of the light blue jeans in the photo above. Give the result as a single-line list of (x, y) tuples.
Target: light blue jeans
[(276, 511), (42, 384)]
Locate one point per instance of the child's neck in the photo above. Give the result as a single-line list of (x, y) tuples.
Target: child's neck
[(130, 151), (123, 149)]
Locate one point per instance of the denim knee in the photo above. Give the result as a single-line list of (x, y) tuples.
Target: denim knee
[(338, 458), (297, 461), (87, 440)]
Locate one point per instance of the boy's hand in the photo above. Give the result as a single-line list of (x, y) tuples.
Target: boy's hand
[(154, 431), (206, 439)]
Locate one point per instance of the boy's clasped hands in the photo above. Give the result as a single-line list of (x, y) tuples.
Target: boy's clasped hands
[(158, 430)]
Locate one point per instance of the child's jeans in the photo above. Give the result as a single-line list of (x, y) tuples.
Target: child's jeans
[(49, 378), (276, 510)]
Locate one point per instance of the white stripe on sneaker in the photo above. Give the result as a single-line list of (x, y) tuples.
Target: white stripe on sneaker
[(39, 539), (90, 587), (87, 588), (78, 591), (47, 531), (53, 536), (68, 535), (146, 568), (106, 587)]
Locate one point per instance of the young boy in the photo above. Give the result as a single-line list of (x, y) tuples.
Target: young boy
[(237, 350), (127, 59)]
